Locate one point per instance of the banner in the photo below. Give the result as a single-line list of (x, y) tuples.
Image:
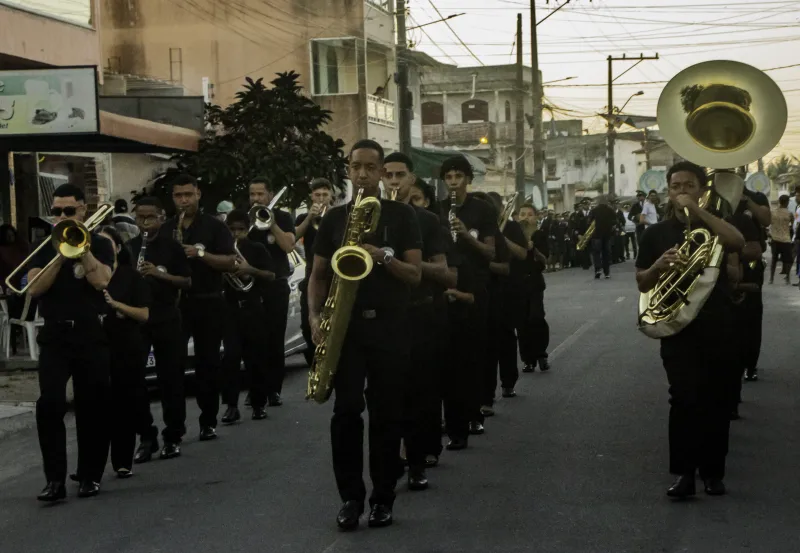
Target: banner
[(61, 100)]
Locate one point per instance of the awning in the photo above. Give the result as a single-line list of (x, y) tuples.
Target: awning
[(428, 160), (118, 134)]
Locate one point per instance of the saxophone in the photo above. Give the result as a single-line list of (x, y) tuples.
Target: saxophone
[(351, 263), (583, 242)]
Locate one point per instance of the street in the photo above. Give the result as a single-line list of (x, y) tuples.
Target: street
[(576, 463)]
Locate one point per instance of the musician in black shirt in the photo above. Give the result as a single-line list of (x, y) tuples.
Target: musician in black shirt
[(244, 337), (73, 344), (697, 359), (376, 346), (306, 225), (605, 222), (209, 247), (279, 241), (533, 331), (166, 271), (423, 434)]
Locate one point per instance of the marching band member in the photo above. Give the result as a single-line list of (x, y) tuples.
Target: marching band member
[(244, 338), (533, 332), (163, 264), (279, 241), (306, 225), (208, 245), (604, 218), (73, 344), (475, 225), (697, 359), (376, 345), (422, 434)]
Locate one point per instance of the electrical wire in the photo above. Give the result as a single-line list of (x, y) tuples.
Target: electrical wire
[(455, 33)]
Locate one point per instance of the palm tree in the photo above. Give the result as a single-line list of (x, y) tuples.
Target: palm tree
[(784, 170)]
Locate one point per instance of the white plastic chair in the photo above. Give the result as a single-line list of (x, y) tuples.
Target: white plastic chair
[(30, 328), (4, 324)]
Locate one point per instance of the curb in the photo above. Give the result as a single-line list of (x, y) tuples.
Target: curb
[(23, 420)]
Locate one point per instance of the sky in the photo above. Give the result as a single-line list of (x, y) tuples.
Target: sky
[(576, 40)]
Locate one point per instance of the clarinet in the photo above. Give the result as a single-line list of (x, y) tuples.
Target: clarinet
[(142, 252), (452, 215)]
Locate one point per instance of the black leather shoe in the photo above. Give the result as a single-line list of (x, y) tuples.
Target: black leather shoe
[(456, 444), (431, 461), (380, 516), (751, 375), (145, 451), (231, 415), (544, 364), (509, 392), (417, 481), (247, 402), (53, 491), (208, 433), (88, 489), (528, 368), (682, 487), (74, 477), (476, 428), (714, 486), (275, 400), (349, 514), (170, 450), (259, 413), (124, 473)]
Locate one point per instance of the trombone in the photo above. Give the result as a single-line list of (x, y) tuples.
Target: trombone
[(71, 239), (511, 203), (262, 215)]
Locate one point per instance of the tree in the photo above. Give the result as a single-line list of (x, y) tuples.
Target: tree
[(273, 132), (784, 170)]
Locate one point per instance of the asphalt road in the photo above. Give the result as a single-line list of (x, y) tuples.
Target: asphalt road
[(576, 463)]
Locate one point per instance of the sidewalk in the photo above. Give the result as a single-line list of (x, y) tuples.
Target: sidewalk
[(18, 393)]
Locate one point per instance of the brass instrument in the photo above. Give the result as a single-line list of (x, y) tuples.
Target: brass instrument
[(584, 241), (720, 114), (235, 282), (507, 211), (71, 239), (452, 215), (351, 263), (179, 227), (318, 220), (262, 216)]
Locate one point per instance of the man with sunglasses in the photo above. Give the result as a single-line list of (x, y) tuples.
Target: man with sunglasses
[(73, 344), (166, 271)]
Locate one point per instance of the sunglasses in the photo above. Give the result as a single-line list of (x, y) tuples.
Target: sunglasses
[(68, 211)]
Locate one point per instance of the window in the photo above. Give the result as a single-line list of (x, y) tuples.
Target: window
[(432, 113), (508, 110), (552, 166), (473, 111), (334, 67), (621, 169), (78, 12), (578, 163)]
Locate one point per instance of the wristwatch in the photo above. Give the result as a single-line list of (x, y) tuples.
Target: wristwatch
[(388, 255), (201, 253)]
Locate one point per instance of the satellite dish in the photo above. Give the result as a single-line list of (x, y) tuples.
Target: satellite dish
[(759, 182), (653, 180), (536, 198)]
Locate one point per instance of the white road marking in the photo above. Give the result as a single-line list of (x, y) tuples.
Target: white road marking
[(620, 299), (571, 339)]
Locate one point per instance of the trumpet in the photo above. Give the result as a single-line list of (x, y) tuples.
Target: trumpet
[(262, 215), (318, 220), (236, 283), (71, 239)]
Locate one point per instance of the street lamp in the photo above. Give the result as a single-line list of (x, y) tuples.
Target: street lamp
[(629, 99)]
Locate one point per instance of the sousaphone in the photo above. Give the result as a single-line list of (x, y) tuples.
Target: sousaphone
[(721, 115)]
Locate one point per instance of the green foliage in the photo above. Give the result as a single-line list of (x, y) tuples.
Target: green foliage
[(269, 131), (784, 169)]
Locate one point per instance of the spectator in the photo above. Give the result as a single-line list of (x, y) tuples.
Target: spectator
[(123, 221)]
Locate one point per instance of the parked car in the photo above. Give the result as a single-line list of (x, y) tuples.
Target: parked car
[(294, 342)]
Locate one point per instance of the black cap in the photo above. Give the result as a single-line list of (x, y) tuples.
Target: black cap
[(121, 206)]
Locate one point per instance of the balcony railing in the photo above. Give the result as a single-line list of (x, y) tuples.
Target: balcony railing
[(380, 111), (384, 5), (460, 133)]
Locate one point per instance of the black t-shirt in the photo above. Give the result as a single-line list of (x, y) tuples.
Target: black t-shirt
[(308, 241), (279, 257), (667, 234), (605, 218), (129, 287), (256, 255), (216, 238), (514, 232), (433, 243), (162, 251), (398, 229), (71, 297), (479, 217)]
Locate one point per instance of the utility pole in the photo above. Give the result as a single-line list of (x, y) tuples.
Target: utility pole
[(520, 116), (611, 131), (536, 94), (403, 96)]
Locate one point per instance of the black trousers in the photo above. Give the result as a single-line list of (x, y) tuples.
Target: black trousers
[(782, 250), (128, 393), (374, 351), (203, 320), (244, 341), (169, 348), (700, 383), (491, 353), (749, 318), (79, 351), (276, 302), (533, 331), (631, 242), (601, 253), (423, 403), (305, 326), (504, 317)]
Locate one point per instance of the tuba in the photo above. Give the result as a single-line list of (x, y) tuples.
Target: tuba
[(262, 216), (351, 263), (721, 115)]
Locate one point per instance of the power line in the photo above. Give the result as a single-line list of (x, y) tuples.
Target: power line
[(455, 33)]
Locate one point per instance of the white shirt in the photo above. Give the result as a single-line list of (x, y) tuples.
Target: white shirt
[(650, 213)]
